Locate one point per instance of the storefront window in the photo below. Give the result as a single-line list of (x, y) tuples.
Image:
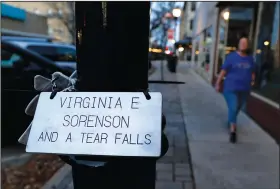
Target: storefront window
[(234, 23), (201, 56), (208, 38), (267, 53), (221, 42), (240, 24), (196, 49)]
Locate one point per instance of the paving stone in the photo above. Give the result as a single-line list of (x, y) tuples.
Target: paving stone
[(183, 178), (182, 165), (169, 185), (182, 172), (164, 167), (181, 139), (170, 152), (166, 159), (170, 139), (164, 175), (180, 144), (180, 151), (174, 118), (180, 155), (188, 185)]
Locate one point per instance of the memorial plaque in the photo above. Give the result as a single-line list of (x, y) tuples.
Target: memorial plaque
[(97, 123)]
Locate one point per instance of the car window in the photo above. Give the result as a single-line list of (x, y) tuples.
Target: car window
[(8, 59), (18, 71), (56, 54), (66, 54), (46, 51)]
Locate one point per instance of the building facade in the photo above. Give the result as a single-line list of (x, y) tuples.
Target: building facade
[(187, 26), (187, 19), (218, 26), (203, 39), (59, 15), (18, 20)]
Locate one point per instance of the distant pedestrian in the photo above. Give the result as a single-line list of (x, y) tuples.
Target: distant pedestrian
[(239, 72)]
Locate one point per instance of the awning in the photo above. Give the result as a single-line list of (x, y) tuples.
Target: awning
[(184, 42), (12, 12)]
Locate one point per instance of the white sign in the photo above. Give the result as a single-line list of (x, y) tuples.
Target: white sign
[(97, 123)]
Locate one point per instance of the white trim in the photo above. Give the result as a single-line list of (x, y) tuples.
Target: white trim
[(266, 100)]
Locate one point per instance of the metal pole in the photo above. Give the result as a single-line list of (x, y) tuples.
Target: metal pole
[(161, 70), (112, 55), (163, 54), (164, 41)]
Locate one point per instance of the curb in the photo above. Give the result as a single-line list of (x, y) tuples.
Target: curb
[(151, 71), (15, 160), (57, 179)]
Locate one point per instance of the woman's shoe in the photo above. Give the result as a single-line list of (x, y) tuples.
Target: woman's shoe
[(232, 137)]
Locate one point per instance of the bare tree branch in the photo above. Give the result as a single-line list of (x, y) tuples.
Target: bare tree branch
[(163, 8), (67, 16)]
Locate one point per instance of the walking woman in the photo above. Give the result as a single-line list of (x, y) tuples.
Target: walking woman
[(238, 71)]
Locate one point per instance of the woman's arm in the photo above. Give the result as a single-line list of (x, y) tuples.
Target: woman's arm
[(225, 68), (221, 77)]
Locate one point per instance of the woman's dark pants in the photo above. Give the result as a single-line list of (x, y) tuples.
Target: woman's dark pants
[(236, 100)]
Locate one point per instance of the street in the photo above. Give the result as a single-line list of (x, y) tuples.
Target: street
[(200, 155)]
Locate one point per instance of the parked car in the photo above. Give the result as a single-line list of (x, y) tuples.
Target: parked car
[(18, 68), (64, 55)]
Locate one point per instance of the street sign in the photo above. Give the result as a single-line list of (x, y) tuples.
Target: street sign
[(97, 123)]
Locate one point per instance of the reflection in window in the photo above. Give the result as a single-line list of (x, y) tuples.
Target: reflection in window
[(196, 49), (267, 57), (46, 51), (66, 54), (53, 53), (238, 24), (8, 59), (221, 47), (208, 38)]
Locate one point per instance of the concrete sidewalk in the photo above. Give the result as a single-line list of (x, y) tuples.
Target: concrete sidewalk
[(252, 163)]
